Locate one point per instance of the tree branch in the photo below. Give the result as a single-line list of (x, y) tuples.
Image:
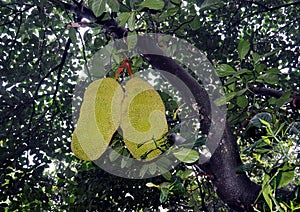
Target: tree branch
[(277, 94)]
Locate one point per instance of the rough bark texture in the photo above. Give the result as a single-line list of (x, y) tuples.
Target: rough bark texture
[(234, 189)]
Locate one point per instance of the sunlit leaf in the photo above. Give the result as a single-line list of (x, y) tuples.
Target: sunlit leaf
[(186, 155)]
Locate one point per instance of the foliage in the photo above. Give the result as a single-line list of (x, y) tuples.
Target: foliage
[(252, 45)]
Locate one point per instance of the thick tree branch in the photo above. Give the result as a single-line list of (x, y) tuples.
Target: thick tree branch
[(277, 94), (268, 92)]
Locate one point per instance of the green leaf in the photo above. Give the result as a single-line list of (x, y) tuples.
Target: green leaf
[(167, 175), (243, 48), (256, 57), (72, 35), (164, 192), (210, 4), (255, 121), (271, 53), (265, 123), (295, 129), (178, 188), (269, 78), (186, 155), (143, 170), (259, 68), (267, 191), (243, 71), (124, 162), (286, 174), (137, 62), (153, 4), (98, 7), (242, 101), (152, 168), (131, 21), (225, 70), (184, 175), (113, 155), (285, 98), (176, 1), (223, 100), (266, 138), (169, 13), (286, 178), (132, 41), (240, 92), (123, 18), (114, 5)]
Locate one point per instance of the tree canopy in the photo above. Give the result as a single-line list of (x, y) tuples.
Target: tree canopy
[(50, 55)]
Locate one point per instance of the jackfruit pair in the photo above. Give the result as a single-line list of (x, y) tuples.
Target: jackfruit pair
[(139, 112)]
